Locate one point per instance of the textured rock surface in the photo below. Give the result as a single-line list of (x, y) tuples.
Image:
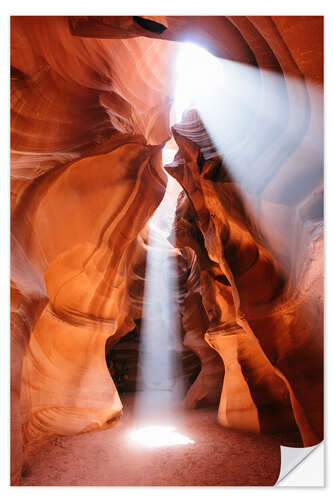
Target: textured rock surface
[(266, 324), (90, 101)]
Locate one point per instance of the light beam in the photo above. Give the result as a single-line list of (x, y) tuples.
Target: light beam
[(267, 125)]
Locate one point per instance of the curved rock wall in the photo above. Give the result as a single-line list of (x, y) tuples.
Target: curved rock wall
[(254, 216), (265, 323), (89, 119)]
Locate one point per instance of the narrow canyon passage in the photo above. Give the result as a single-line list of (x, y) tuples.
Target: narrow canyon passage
[(166, 247)]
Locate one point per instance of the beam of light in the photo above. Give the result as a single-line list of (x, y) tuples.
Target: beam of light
[(268, 128), (160, 371), (158, 436), (246, 109), (194, 68)]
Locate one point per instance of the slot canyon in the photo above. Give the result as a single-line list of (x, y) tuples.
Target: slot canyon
[(166, 248)]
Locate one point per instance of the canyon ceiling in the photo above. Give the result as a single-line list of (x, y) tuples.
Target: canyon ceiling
[(90, 115)]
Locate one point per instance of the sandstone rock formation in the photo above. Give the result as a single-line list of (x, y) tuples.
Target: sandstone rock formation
[(90, 102), (259, 318)]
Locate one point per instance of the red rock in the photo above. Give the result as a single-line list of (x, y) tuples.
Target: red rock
[(90, 101)]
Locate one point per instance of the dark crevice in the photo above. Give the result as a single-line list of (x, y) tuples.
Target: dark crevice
[(149, 25)]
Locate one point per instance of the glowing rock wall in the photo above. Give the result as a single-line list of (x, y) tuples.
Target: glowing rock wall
[(254, 217)]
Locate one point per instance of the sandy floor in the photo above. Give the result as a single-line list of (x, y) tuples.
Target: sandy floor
[(109, 458)]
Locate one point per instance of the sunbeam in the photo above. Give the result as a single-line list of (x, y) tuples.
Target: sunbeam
[(159, 366), (266, 125)]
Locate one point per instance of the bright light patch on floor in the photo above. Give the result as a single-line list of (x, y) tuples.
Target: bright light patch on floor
[(157, 435)]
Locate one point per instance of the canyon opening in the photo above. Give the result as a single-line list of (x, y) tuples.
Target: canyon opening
[(167, 248)]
